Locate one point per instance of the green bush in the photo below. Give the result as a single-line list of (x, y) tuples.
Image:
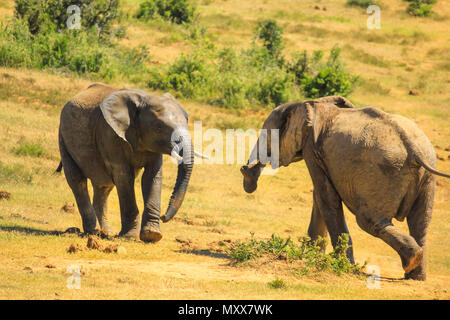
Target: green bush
[(420, 8), (270, 34), (176, 11), (227, 77), (307, 252), (330, 79), (277, 284), (79, 52), (49, 15)]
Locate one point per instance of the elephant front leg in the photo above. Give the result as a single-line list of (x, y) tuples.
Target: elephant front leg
[(317, 228), (129, 211), (101, 194), (151, 192)]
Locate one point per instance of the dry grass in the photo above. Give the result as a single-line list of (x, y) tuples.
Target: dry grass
[(216, 206)]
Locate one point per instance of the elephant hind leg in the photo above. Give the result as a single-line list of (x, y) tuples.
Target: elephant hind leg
[(418, 221), (78, 183), (410, 252), (101, 194)]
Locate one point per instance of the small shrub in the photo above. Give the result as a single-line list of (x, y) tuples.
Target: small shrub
[(243, 252), (48, 15), (176, 11), (307, 252), (270, 34), (301, 65), (420, 8), (277, 284), (331, 79)]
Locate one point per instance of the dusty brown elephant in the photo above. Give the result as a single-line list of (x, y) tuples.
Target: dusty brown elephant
[(380, 165), (107, 135)]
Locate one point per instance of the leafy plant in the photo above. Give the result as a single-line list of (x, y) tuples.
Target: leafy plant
[(49, 15), (277, 284), (308, 252), (270, 34), (78, 52), (176, 11), (330, 79), (420, 8)]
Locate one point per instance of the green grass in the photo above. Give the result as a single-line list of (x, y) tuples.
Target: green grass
[(29, 149), (277, 284)]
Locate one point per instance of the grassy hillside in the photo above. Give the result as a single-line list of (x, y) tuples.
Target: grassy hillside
[(406, 54)]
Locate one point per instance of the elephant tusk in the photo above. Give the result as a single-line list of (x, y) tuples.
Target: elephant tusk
[(199, 155), (176, 156)]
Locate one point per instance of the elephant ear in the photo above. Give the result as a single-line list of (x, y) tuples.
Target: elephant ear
[(297, 119), (120, 111), (168, 95)]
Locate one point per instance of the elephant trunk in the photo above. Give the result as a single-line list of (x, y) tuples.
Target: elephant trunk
[(184, 174), (251, 175)]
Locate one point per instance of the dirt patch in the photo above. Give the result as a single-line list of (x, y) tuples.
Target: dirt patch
[(186, 221), (19, 216)]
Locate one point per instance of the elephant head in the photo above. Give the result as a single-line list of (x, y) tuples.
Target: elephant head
[(295, 122), (156, 124)]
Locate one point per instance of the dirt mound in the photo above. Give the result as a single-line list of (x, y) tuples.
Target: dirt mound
[(5, 195), (68, 207), (94, 243)]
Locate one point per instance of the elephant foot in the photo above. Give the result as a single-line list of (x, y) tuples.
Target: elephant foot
[(151, 234), (416, 274), (106, 230), (129, 234), (414, 261), (89, 225)]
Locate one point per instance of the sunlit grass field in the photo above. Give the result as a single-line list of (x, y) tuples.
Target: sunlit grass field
[(406, 54)]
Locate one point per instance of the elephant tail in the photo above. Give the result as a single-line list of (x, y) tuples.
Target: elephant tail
[(58, 170), (429, 168)]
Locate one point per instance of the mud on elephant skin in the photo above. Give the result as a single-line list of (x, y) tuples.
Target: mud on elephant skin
[(108, 135), (380, 165)]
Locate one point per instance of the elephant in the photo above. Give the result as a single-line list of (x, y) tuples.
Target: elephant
[(380, 165), (107, 135)]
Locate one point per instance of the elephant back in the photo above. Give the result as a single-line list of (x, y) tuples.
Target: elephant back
[(92, 96)]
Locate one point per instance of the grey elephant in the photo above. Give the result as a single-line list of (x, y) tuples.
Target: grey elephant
[(380, 165), (107, 135)]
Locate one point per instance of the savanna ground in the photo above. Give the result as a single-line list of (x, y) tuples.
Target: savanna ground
[(406, 54)]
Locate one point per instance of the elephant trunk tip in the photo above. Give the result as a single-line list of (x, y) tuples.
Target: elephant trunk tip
[(165, 218)]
